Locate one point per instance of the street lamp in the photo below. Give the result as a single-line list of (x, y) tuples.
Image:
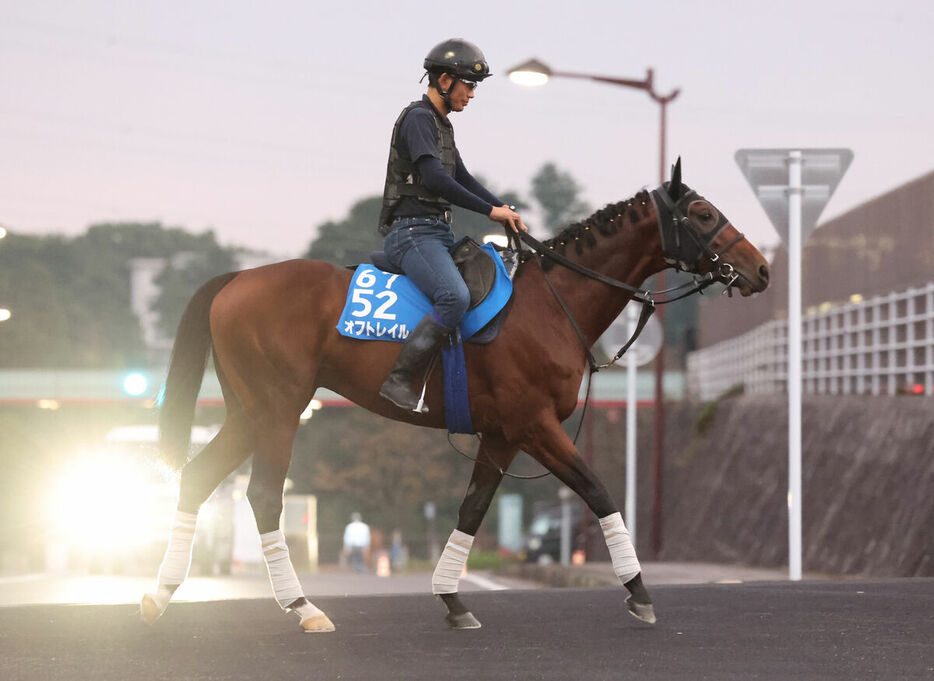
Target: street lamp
[(534, 73)]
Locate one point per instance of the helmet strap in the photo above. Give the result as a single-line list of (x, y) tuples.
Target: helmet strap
[(445, 94)]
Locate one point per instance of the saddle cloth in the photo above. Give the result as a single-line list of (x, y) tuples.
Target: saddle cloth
[(386, 306)]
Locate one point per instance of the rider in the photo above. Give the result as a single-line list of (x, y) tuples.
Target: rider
[(424, 176)]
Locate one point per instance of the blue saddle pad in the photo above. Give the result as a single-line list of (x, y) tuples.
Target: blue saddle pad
[(387, 307)]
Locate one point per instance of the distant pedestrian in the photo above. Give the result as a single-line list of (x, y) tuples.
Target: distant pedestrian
[(357, 542), (398, 553)]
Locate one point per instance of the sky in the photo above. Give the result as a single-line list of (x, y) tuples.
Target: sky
[(263, 120)]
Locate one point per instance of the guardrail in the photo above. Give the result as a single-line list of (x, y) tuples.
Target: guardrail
[(879, 346)]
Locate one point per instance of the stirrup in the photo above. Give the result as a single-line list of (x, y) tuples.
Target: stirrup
[(420, 405)]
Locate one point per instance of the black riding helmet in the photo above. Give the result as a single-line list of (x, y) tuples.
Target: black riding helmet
[(458, 58)]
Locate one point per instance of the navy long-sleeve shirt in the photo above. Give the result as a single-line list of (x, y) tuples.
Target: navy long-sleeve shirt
[(417, 136)]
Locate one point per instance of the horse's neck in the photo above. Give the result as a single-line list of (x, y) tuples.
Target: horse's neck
[(630, 256)]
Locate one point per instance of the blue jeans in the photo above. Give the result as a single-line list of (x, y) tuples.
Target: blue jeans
[(420, 248)]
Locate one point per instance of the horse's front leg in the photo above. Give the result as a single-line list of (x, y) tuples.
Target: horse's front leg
[(551, 447), (493, 456)]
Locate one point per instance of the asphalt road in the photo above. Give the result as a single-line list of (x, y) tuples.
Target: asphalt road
[(768, 630), (46, 589)]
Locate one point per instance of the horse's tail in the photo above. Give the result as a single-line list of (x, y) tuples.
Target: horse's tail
[(186, 370)]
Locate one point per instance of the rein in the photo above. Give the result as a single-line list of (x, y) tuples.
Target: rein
[(678, 222)]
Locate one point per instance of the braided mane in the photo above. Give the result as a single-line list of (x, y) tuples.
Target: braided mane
[(607, 221)]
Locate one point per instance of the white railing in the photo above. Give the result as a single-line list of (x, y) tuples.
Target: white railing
[(880, 346)]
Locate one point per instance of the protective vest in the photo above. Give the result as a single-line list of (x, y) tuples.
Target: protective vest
[(402, 178)]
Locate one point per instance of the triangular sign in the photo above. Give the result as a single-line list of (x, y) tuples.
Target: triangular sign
[(766, 170)]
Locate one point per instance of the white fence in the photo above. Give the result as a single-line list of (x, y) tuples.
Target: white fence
[(880, 346)]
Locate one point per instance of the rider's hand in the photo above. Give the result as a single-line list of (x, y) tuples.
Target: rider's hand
[(508, 217)]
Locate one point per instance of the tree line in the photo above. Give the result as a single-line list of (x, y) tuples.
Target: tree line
[(70, 297)]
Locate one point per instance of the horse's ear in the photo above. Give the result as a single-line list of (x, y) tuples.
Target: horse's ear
[(674, 188)]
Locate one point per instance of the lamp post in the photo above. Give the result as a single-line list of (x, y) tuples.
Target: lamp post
[(534, 73)]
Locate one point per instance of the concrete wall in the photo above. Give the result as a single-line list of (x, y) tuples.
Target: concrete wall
[(868, 467)]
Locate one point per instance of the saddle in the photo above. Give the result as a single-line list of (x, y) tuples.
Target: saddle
[(475, 264), (382, 305)]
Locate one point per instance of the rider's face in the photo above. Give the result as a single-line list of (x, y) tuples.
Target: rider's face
[(461, 94)]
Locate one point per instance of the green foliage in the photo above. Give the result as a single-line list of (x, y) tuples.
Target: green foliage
[(71, 297), (357, 461), (70, 303), (350, 240), (476, 226), (681, 318), (707, 414), (557, 193), (487, 560), (183, 275)]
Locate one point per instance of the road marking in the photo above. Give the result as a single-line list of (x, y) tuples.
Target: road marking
[(484, 583)]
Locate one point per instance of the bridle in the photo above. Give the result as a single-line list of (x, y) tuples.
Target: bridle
[(683, 246), (686, 255)]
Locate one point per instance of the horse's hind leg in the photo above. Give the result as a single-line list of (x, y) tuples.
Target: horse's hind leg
[(200, 476), (493, 457), (551, 447), (270, 465)]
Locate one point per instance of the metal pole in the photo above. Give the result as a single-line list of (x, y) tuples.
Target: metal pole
[(662, 150), (794, 365), (565, 494), (631, 369), (585, 510), (658, 440)]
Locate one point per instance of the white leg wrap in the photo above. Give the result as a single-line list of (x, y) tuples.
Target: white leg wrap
[(177, 560), (622, 552), (451, 564), (282, 575)]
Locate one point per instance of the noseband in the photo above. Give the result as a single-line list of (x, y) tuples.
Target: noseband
[(686, 254)]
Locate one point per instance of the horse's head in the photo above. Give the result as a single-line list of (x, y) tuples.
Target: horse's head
[(698, 238)]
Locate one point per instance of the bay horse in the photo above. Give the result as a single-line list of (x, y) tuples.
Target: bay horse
[(272, 331)]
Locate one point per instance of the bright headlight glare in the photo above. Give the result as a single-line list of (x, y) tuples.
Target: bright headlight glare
[(98, 500)]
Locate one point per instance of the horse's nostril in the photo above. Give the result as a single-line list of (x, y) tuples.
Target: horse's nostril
[(764, 272)]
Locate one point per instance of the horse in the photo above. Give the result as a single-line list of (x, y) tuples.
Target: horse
[(272, 332)]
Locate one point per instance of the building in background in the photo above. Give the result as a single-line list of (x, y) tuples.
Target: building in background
[(144, 292), (868, 294), (882, 245)]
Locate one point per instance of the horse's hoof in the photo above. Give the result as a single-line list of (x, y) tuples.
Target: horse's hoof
[(149, 609), (644, 612), (463, 621), (317, 624)]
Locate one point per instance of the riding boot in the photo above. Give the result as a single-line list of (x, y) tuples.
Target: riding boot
[(416, 353)]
